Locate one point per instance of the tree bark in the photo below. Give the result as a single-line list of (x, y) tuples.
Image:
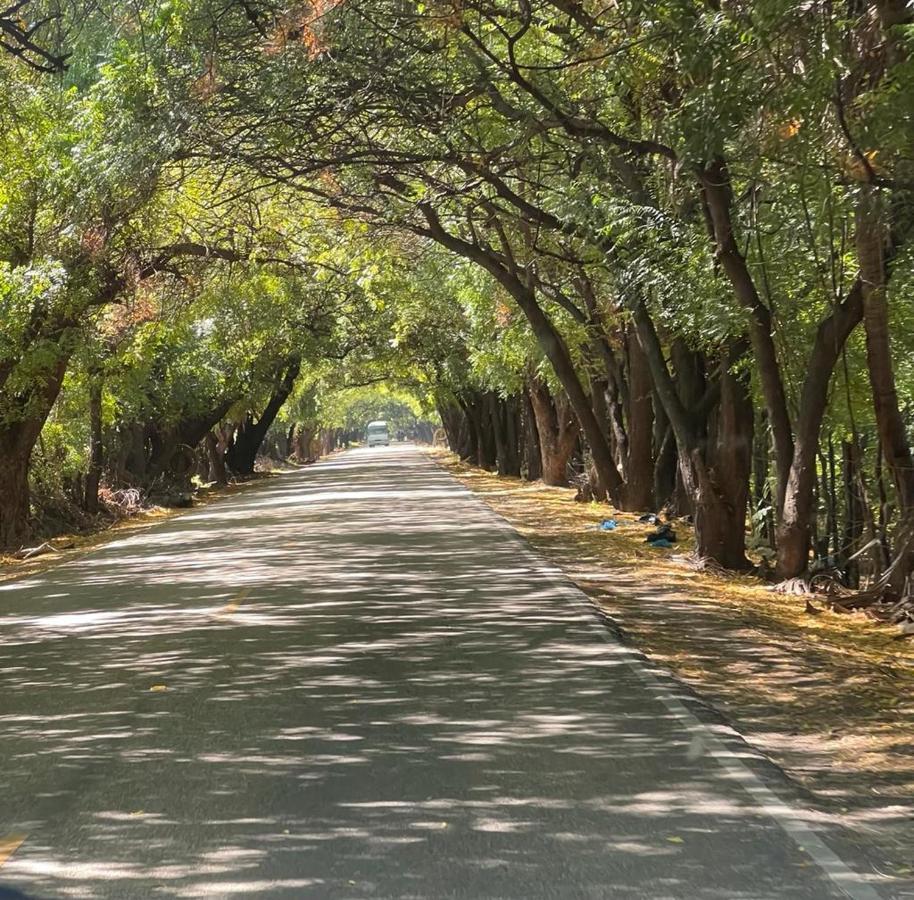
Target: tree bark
[(96, 454), (533, 459), (872, 240), (715, 475), (216, 459), (17, 440), (557, 430), (639, 488), (718, 196), (502, 413), (242, 454), (14, 489)]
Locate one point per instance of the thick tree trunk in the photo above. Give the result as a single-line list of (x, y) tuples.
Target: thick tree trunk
[(502, 413), (303, 443), (731, 465), (715, 474), (96, 454), (17, 440), (795, 457), (486, 449), (242, 454), (14, 489), (557, 429)]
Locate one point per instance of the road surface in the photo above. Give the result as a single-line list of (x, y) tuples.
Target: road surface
[(355, 681)]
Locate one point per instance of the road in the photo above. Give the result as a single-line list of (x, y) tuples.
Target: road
[(355, 681)]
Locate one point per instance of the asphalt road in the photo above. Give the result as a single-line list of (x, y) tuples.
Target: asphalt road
[(355, 681)]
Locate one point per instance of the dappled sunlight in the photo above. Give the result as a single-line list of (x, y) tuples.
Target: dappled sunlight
[(350, 682), (826, 696)]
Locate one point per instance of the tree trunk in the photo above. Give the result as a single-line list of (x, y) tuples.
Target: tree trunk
[(17, 440), (216, 459), (558, 355), (533, 460), (242, 454), (486, 449), (557, 429), (872, 239), (549, 340), (511, 409), (732, 464), (14, 489), (665, 470), (717, 193), (797, 509), (453, 421), (504, 430), (761, 497), (853, 511), (794, 457), (639, 488), (96, 454), (715, 475), (303, 443)]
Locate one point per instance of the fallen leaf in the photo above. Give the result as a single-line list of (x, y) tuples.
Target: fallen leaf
[(158, 688), (9, 844)]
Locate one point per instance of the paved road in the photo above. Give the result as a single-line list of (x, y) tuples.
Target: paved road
[(354, 681)]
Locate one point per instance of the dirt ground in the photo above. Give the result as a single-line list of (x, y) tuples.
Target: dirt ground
[(828, 697)]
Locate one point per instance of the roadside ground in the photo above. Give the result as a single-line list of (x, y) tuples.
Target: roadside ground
[(72, 545), (828, 697)]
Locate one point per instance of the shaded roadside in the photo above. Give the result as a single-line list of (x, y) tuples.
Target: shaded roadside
[(829, 698), (69, 545)]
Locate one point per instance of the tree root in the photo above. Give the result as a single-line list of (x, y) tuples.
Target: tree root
[(878, 602)]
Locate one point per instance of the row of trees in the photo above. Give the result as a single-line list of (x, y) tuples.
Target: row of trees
[(670, 239)]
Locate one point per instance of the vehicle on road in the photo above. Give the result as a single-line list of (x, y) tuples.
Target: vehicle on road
[(378, 434)]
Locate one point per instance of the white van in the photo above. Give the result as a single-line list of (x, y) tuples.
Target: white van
[(378, 434)]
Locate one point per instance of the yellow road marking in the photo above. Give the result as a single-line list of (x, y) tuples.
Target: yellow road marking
[(9, 844), (233, 604)]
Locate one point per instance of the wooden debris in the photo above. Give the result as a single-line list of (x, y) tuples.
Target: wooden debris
[(46, 547)]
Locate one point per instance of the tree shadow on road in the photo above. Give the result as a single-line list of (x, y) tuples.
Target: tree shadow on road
[(352, 683)]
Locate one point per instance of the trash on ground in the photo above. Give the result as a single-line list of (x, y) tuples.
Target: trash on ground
[(608, 525), (663, 533)]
